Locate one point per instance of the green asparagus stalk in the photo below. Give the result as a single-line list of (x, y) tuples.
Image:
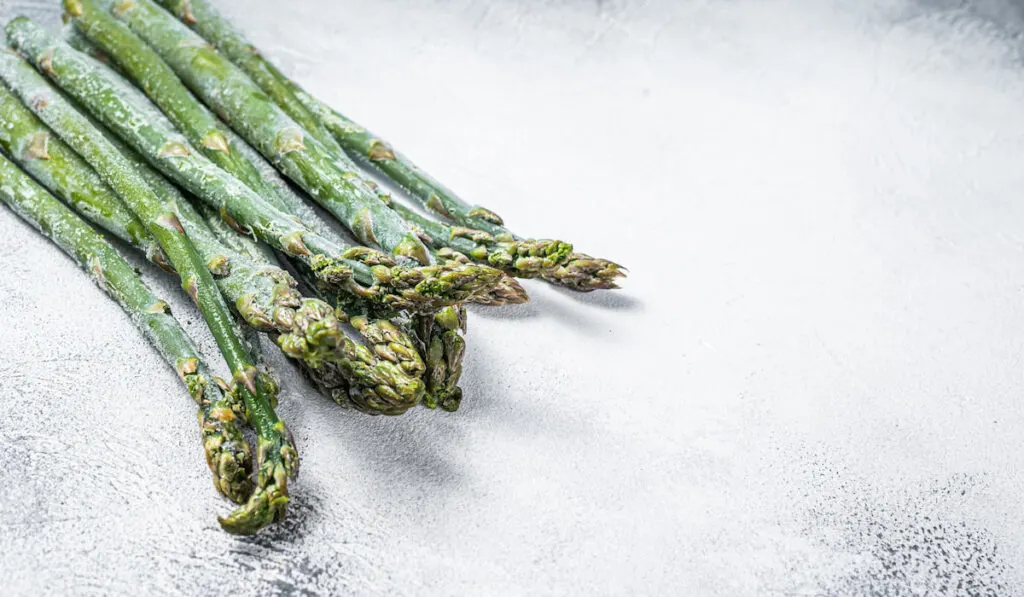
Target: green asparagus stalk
[(552, 260), (268, 128), (357, 271), (559, 264), (247, 58), (31, 144), (277, 459), (227, 452), (137, 61)]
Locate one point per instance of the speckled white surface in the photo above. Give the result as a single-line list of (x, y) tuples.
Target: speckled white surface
[(811, 385)]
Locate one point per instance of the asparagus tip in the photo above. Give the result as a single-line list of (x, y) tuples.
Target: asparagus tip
[(315, 333), (508, 291), (390, 343), (584, 273), (265, 506)]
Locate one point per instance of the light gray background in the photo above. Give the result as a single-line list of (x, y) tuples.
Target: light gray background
[(811, 384)]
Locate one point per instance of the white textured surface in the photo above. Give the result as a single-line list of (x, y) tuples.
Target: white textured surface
[(810, 386)]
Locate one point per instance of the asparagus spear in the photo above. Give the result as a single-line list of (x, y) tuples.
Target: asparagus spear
[(137, 61), (440, 338), (561, 265), (247, 58), (31, 144), (552, 260), (277, 459), (269, 129), (356, 271), (227, 452), (524, 259)]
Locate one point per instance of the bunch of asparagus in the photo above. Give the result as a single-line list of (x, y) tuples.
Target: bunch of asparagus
[(163, 127)]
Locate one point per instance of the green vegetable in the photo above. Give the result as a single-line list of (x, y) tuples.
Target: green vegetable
[(552, 260), (356, 271), (138, 62), (276, 457), (268, 128), (227, 452)]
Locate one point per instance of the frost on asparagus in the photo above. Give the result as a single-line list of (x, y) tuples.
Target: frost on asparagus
[(32, 145), (256, 117), (140, 63)]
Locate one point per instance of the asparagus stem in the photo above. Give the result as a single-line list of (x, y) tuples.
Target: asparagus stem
[(357, 271), (560, 265), (227, 452), (288, 199), (33, 147), (276, 457), (247, 58), (255, 116), (141, 64), (552, 260), (236, 240)]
